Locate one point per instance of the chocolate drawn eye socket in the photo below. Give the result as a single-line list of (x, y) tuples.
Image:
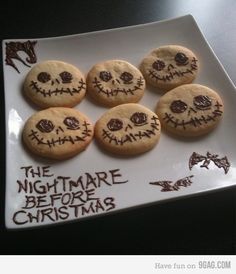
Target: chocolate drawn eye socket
[(66, 77), (105, 76), (115, 124), (181, 59), (178, 106), (158, 65), (126, 77), (43, 77), (45, 125), (139, 118), (202, 102), (71, 123)]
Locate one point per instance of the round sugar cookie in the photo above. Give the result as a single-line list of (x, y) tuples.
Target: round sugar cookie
[(115, 82), (57, 133), (128, 129), (55, 84), (190, 110), (169, 66)]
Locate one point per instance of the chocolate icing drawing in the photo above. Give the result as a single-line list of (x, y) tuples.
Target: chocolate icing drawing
[(12, 49), (125, 78), (60, 132), (132, 130), (178, 67), (196, 158), (173, 186), (212, 110), (45, 84)]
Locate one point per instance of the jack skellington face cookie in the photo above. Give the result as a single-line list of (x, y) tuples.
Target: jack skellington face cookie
[(115, 82), (169, 66), (190, 110), (128, 129), (55, 84), (57, 133)]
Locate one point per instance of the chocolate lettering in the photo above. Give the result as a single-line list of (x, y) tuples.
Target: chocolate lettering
[(76, 209), (52, 186), (63, 213), (62, 197), (32, 217), (78, 196), (90, 194), (102, 176), (64, 181), (55, 197), (30, 202), (87, 210), (38, 171), (99, 206), (115, 173), (109, 202), (90, 181), (54, 214), (47, 212), (78, 183), (17, 216), (66, 198), (42, 201)]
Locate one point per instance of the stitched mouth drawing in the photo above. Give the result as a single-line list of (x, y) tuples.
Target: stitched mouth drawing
[(200, 103), (125, 78), (120, 131), (60, 89), (170, 71), (47, 134)]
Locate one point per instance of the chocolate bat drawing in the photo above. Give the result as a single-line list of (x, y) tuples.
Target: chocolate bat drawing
[(196, 158), (173, 186)]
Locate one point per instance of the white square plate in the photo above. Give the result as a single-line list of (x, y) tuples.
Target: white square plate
[(40, 192)]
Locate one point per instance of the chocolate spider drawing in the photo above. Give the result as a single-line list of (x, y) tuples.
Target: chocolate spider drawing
[(173, 186), (139, 126), (176, 67), (12, 49), (196, 158), (57, 133)]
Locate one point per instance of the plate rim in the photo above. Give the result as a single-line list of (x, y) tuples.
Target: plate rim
[(184, 17)]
